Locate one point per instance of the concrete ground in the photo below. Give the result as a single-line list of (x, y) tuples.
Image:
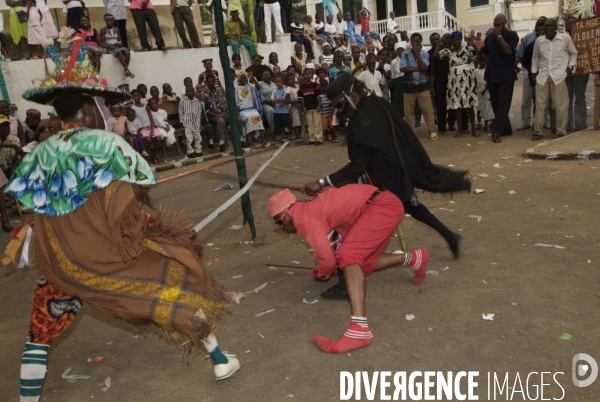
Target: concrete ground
[(537, 293)]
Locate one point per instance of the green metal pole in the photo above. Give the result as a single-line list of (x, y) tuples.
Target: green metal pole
[(233, 118)]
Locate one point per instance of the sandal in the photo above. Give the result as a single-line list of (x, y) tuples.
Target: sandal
[(458, 135), (433, 137), (125, 74), (7, 228), (131, 75), (476, 134)]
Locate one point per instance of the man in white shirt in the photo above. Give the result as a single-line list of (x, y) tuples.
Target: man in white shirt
[(341, 28), (392, 25), (372, 78), (554, 58)]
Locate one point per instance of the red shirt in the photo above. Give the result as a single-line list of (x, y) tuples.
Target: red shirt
[(365, 24), (333, 209)]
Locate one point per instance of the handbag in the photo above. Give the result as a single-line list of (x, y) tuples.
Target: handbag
[(21, 15)]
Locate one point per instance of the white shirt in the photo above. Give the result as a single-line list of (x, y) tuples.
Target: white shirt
[(395, 68), (372, 81), (330, 29), (318, 26), (116, 8), (340, 27), (392, 25), (551, 58), (479, 73)]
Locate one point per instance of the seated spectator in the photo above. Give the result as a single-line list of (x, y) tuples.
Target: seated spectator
[(331, 33), (273, 60), (338, 65), (143, 12), (32, 127), (16, 128), (258, 68), (155, 94), (234, 32), (146, 121), (110, 39), (9, 151), (166, 131), (237, 69), (91, 40), (117, 9), (250, 108), (365, 24), (319, 26), (217, 109), (392, 25), (310, 31), (298, 36), (299, 57), (341, 28), (267, 87), (75, 10), (208, 70), (168, 95), (353, 36), (327, 56), (134, 133), (143, 90)]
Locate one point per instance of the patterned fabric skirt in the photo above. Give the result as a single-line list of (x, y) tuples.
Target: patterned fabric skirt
[(461, 90), (251, 119)]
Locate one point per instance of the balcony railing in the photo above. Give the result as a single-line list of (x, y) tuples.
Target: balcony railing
[(423, 22)]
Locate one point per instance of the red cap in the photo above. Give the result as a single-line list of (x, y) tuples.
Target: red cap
[(280, 202)]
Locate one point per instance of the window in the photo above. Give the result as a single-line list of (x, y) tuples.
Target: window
[(475, 3)]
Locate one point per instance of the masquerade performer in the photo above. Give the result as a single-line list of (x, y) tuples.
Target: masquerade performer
[(366, 218), (93, 241), (249, 103), (384, 151)]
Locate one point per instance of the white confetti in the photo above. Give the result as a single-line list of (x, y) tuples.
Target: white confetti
[(445, 268), (107, 382), (210, 244), (237, 277), (497, 165), (479, 191), (264, 312), (409, 317), (433, 273), (512, 192), (488, 317), (308, 302), (296, 262)]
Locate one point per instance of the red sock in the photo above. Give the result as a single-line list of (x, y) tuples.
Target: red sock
[(357, 335), (418, 263)]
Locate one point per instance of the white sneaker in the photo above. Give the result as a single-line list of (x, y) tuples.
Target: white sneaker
[(226, 370)]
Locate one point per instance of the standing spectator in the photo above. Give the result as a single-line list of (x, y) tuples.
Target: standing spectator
[(540, 30), (341, 27), (190, 112), (414, 62), (326, 113), (281, 111), (258, 68), (386, 73), (18, 25), (267, 87), (291, 97), (213, 32), (554, 58), (181, 10), (117, 9), (298, 36), (398, 77), (461, 93), (248, 105), (438, 86), (527, 100), (311, 106), (478, 42), (36, 34), (16, 128), (111, 40), (365, 24), (286, 14), (143, 12), (75, 10), (259, 17), (234, 32), (3, 48), (392, 25), (327, 56), (299, 57), (273, 60), (338, 65), (500, 74), (576, 84), (272, 10), (168, 95), (372, 78), (217, 109), (47, 21), (353, 36)]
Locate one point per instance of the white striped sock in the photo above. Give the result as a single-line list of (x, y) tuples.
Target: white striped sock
[(33, 370), (408, 256)]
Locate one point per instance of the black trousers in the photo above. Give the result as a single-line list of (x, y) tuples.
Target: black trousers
[(286, 20), (441, 106), (121, 25), (140, 18), (501, 97)]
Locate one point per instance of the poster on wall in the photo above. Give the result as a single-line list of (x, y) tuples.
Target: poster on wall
[(586, 36)]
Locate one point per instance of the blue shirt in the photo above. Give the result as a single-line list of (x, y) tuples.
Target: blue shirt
[(527, 40), (333, 71), (282, 108), (350, 27), (500, 67), (408, 60)]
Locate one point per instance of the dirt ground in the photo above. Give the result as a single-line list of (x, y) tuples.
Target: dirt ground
[(536, 293)]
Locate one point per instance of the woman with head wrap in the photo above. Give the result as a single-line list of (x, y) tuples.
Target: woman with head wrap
[(16, 128), (32, 127), (461, 83), (248, 101)]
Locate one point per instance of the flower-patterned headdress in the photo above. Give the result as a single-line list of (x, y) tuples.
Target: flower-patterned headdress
[(73, 74)]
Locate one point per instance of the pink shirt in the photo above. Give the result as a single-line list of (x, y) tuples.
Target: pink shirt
[(14, 126), (333, 209), (118, 125), (137, 5)]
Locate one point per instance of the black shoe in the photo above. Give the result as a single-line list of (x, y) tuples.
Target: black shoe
[(199, 155), (455, 245), (336, 292), (559, 135), (536, 137), (212, 147), (318, 143), (496, 139), (418, 124), (222, 147), (451, 128)]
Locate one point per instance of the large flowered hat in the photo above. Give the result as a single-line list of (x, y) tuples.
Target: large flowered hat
[(73, 73)]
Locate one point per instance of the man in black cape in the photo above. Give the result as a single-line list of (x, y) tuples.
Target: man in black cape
[(384, 151)]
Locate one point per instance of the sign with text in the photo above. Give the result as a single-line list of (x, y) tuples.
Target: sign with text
[(586, 35)]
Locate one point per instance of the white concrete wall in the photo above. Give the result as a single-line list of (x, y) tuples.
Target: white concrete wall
[(150, 68)]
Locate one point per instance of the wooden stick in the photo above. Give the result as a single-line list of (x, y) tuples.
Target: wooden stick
[(287, 266), (402, 239)]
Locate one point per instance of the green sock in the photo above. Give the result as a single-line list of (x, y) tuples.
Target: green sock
[(218, 357)]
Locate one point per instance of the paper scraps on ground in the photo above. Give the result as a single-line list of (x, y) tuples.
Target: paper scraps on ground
[(548, 245), (296, 262), (409, 317), (237, 277), (398, 252), (264, 312), (476, 216), (236, 227), (433, 273), (488, 317), (307, 302), (501, 177), (565, 337), (504, 158), (446, 209), (497, 165), (512, 192), (107, 382), (479, 191), (97, 359), (236, 297), (291, 273), (481, 175), (261, 335), (73, 377), (210, 244), (239, 194), (445, 268)]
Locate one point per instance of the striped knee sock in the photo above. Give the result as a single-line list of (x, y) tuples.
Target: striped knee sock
[(357, 335), (417, 261), (33, 370), (212, 347)]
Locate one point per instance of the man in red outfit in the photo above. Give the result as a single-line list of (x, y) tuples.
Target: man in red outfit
[(366, 218)]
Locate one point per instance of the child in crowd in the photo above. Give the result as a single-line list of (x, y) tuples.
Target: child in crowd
[(326, 113), (155, 94), (297, 35), (167, 133), (319, 26), (281, 110), (322, 75), (206, 130), (143, 91), (146, 121), (340, 29), (168, 94), (292, 70), (372, 77), (484, 110), (291, 98), (357, 65), (134, 132), (331, 33), (118, 122), (365, 24), (273, 60), (299, 57), (199, 88), (36, 34), (237, 69), (369, 41), (392, 25), (276, 70), (371, 50), (190, 116), (187, 82), (386, 72), (311, 105), (327, 56)]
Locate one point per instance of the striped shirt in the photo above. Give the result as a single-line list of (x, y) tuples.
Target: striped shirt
[(190, 113), (326, 107)]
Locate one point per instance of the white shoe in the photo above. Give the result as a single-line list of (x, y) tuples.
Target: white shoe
[(226, 370)]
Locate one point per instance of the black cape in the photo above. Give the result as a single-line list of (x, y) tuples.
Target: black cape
[(370, 126)]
